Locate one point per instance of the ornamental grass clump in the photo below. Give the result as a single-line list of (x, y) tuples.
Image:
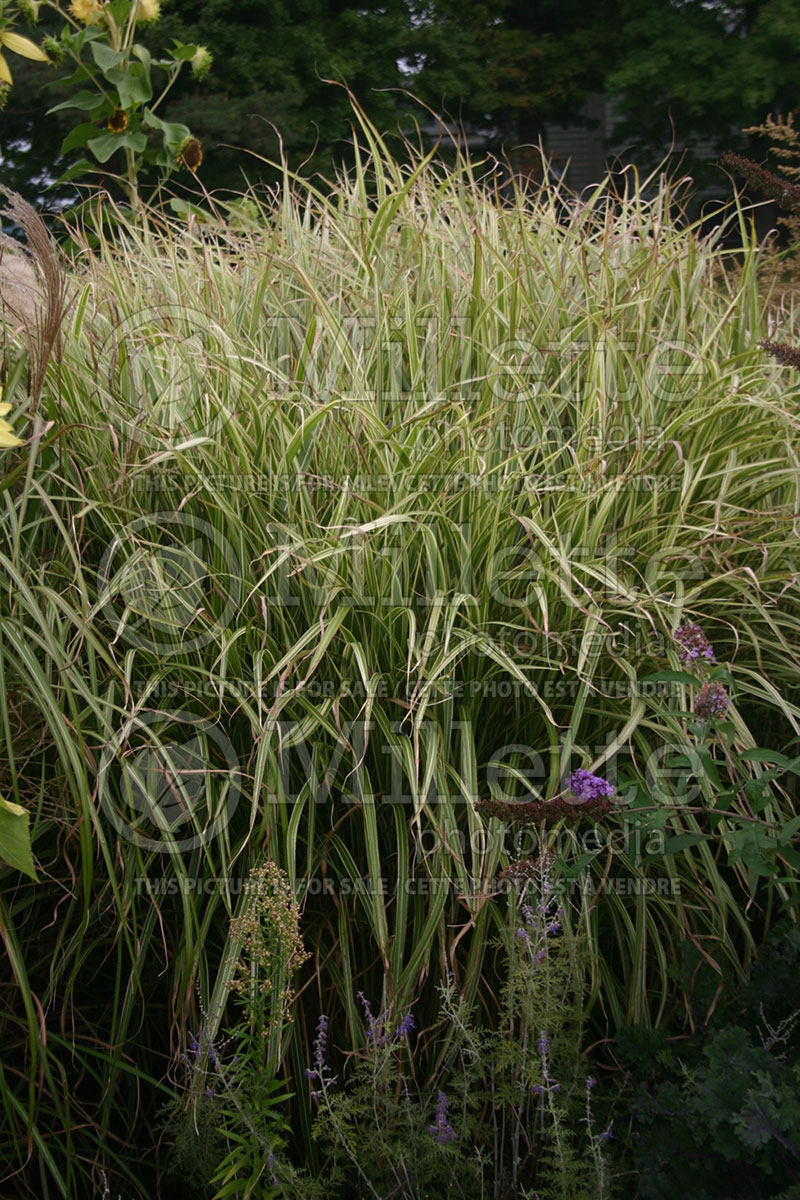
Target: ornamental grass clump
[(439, 478)]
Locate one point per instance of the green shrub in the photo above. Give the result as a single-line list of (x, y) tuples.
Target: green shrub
[(718, 1117)]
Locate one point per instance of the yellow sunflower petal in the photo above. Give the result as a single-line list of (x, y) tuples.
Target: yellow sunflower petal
[(7, 438), (5, 407), (23, 46), (5, 74)]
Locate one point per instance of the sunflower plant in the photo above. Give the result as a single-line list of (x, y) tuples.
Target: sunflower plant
[(8, 438), (118, 86), (12, 41)]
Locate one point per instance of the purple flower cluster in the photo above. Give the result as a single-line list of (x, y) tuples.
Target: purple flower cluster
[(321, 1042), (204, 1052), (607, 1134), (441, 1129), (711, 701), (693, 645), (586, 786), (378, 1028), (201, 1046)]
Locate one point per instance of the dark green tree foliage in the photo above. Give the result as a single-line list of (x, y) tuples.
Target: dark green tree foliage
[(505, 68), (270, 60), (709, 68), (511, 66)]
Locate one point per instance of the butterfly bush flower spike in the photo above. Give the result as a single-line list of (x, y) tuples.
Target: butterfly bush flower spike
[(711, 702), (586, 786), (693, 646)]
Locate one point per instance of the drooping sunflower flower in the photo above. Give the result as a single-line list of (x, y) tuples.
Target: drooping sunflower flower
[(30, 10), (88, 12), (7, 436), (18, 45), (200, 62), (117, 121), (148, 11), (191, 154)]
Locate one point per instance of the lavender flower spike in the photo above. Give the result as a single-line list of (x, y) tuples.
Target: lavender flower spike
[(321, 1042), (406, 1025), (442, 1130)]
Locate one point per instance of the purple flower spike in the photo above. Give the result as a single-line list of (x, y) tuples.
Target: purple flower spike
[(406, 1025), (442, 1130), (321, 1042)]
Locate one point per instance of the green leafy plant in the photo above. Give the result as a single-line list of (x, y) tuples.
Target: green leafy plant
[(718, 1116), (248, 1100), (118, 87)]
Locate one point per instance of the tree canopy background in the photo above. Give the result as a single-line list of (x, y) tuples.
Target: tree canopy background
[(700, 68)]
